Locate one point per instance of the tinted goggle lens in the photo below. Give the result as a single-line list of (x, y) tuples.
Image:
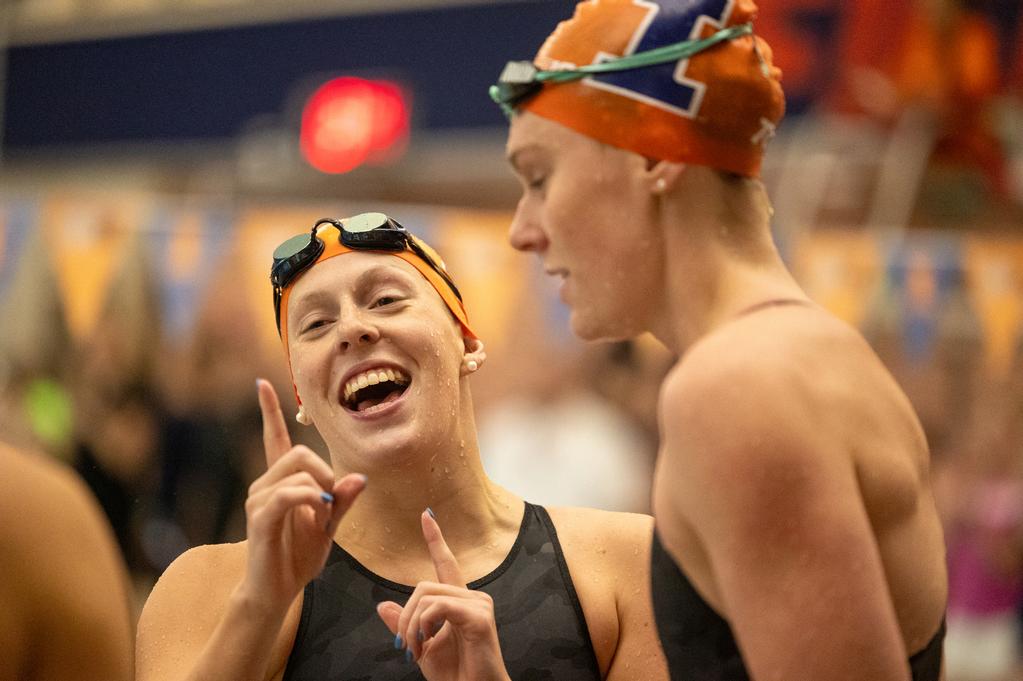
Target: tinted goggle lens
[(368, 232), (372, 231), (293, 256)]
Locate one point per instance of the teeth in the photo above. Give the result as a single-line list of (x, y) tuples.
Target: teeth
[(373, 377)]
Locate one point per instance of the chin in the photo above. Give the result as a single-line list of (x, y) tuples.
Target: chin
[(589, 327)]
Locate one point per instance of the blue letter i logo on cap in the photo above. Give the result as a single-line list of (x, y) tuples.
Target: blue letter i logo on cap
[(665, 85)]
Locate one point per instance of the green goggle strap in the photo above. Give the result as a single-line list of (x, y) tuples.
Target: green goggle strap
[(659, 55)]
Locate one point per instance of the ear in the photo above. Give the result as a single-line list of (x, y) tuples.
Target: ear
[(663, 176), (473, 357)]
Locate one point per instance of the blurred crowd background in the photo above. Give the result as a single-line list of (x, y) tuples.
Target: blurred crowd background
[(154, 152)]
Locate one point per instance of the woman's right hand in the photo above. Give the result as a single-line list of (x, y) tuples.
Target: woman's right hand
[(291, 514)]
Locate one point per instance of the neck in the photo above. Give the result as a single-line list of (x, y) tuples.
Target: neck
[(718, 267), (383, 526)]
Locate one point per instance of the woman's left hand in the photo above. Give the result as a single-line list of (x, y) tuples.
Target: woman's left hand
[(449, 630)]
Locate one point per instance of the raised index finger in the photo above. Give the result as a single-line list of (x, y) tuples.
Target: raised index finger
[(444, 561), (276, 440)]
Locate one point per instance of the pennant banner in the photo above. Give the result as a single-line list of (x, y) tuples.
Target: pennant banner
[(994, 270), (17, 218), (86, 237), (840, 270), (187, 244), (924, 270)]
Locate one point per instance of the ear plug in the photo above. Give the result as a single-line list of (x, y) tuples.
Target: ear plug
[(303, 417)]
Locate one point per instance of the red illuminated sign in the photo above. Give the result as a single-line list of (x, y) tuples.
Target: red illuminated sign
[(351, 121)]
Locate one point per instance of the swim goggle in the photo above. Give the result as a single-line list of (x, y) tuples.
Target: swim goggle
[(521, 80), (365, 232)]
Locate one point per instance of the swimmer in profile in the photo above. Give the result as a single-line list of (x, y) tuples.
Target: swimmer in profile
[(796, 533), (65, 590), (345, 573)]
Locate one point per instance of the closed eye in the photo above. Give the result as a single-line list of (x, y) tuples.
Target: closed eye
[(315, 324), (383, 301)]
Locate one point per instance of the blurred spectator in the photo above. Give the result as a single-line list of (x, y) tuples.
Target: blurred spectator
[(117, 413), (213, 430), (980, 495), (558, 442), (35, 344)]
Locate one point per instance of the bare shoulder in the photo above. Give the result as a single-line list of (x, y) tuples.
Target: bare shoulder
[(603, 535), (778, 370), (193, 591), (45, 487), (60, 611)]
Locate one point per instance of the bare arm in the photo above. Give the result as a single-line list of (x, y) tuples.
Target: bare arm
[(63, 577), (218, 612), (775, 503), (638, 655)]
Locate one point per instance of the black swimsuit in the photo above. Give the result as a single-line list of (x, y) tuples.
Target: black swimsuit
[(540, 623), (698, 643)]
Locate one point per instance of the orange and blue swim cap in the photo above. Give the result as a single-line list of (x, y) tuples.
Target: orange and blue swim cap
[(716, 106)]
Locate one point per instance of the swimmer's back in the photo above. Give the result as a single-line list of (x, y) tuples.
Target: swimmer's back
[(798, 371), (64, 604)]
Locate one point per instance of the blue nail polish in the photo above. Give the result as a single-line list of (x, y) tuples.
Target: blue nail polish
[(430, 511), (408, 655), (398, 645), (327, 497)]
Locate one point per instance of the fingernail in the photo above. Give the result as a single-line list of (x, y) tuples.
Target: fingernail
[(363, 478), (430, 511), (420, 635), (327, 497), (408, 655), (398, 645)]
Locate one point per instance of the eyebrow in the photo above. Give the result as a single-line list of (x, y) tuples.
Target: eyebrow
[(382, 273), (514, 157), (388, 272)]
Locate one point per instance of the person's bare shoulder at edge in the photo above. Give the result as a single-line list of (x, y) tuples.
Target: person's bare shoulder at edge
[(608, 557), (185, 607), (67, 611)]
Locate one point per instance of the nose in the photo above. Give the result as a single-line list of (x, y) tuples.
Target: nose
[(355, 328), (525, 233)]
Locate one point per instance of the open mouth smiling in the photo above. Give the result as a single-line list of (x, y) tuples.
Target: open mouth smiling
[(370, 390)]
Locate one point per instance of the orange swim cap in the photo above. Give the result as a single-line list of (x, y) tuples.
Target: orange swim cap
[(717, 108), (329, 235)]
